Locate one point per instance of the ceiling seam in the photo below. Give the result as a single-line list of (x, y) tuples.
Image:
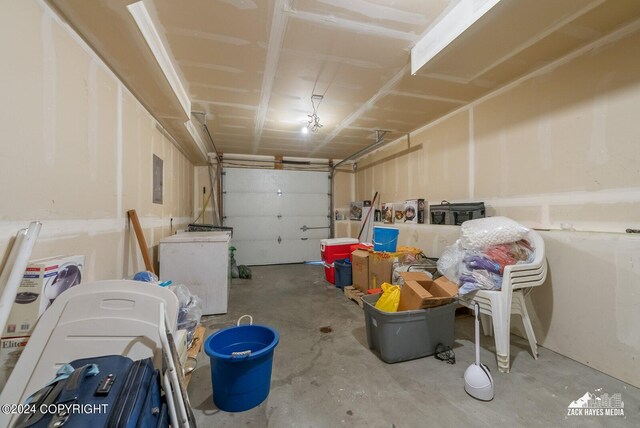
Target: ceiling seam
[(332, 58), (276, 39), (444, 77), (221, 38), (538, 38), (216, 67), (348, 24), (225, 104), (616, 35), (364, 107), (221, 88), (428, 97)]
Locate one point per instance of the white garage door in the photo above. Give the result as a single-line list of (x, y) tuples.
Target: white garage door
[(277, 216)]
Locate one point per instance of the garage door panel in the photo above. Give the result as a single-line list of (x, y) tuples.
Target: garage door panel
[(303, 204), (261, 180), (250, 204), (260, 228), (249, 180), (296, 224), (297, 182), (309, 250), (257, 252)]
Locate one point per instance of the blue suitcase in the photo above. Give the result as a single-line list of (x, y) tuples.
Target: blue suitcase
[(124, 394)]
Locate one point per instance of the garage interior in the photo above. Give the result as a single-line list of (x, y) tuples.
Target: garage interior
[(271, 118)]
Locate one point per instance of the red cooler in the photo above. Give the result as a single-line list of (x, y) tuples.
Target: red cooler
[(332, 250)]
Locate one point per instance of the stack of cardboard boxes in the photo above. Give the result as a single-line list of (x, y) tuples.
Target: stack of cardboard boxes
[(43, 281), (371, 269)]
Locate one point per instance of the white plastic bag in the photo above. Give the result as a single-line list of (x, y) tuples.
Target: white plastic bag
[(190, 310), (485, 232), (451, 260)]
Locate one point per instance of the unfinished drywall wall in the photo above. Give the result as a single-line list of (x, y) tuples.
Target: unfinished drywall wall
[(343, 190), (77, 150), (558, 150)]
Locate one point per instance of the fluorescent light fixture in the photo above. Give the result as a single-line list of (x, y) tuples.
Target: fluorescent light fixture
[(152, 37), (450, 27)]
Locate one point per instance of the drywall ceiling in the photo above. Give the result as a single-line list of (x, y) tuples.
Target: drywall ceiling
[(252, 65)]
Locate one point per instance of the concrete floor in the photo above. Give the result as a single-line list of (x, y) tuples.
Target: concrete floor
[(333, 379)]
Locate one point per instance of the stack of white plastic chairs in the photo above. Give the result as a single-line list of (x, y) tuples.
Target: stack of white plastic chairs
[(496, 306)]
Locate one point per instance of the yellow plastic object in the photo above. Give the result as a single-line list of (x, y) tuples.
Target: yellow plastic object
[(390, 298)]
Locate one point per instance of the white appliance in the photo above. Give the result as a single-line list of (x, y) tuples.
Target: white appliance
[(199, 260)]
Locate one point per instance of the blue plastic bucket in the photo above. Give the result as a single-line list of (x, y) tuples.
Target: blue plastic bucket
[(385, 238), (241, 361)]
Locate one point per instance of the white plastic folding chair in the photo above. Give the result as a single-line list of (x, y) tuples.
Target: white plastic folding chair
[(500, 304), (106, 317)]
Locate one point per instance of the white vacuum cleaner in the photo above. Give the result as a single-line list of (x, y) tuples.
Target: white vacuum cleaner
[(477, 379)]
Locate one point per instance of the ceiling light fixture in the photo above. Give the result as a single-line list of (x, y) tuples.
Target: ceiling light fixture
[(313, 124)]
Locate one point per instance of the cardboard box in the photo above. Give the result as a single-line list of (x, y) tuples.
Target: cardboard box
[(398, 213), (381, 267), (414, 211), (414, 276), (357, 210), (420, 292), (387, 213), (42, 282), (360, 269), (10, 350)]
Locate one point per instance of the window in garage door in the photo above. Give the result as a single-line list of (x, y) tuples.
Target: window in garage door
[(278, 216)]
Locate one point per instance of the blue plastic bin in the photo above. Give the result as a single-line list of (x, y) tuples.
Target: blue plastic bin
[(385, 239), (343, 272), (241, 380)]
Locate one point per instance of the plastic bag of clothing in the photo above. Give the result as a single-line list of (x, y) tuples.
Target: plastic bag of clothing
[(482, 270), (190, 310)]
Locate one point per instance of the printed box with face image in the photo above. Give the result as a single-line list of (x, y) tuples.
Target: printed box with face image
[(414, 211)]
